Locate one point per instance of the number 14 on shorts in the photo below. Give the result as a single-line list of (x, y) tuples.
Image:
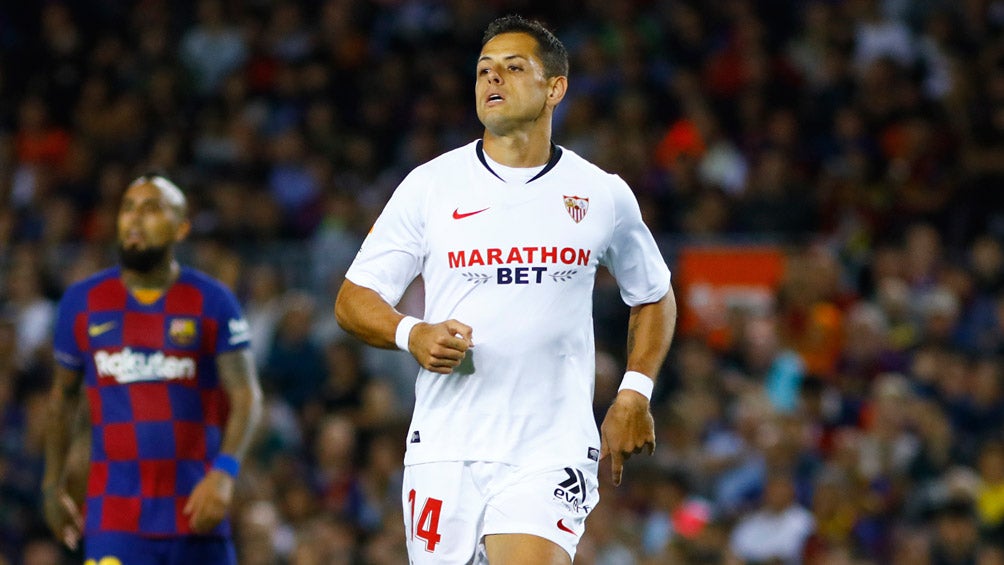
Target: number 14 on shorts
[(427, 527)]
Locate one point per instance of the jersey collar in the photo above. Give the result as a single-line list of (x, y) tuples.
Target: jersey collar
[(555, 155)]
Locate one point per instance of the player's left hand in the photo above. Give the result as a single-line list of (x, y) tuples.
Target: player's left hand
[(209, 501), (62, 515), (628, 428)]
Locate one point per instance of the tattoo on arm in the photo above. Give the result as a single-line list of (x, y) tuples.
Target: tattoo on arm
[(64, 401), (82, 422), (632, 330), (650, 332), (69, 385), (239, 379), (236, 369)]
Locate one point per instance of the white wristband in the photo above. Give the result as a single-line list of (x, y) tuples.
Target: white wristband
[(403, 332), (633, 380)]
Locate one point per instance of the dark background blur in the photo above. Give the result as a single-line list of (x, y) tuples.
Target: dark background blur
[(846, 409)]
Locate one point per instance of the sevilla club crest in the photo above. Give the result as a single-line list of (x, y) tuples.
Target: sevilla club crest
[(576, 206)]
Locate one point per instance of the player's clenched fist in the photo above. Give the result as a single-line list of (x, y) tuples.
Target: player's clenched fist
[(440, 347)]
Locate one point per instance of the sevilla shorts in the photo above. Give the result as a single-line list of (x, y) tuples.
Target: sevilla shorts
[(449, 507), (114, 548)]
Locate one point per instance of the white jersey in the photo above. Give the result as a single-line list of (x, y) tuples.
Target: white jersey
[(517, 264)]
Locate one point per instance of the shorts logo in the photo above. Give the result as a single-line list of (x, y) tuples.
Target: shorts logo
[(576, 206), (593, 454), (572, 491), (564, 528), (182, 331), (416, 437)]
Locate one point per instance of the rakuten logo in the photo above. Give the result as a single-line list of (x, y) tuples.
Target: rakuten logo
[(128, 366)]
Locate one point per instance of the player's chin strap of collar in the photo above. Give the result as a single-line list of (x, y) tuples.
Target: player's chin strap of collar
[(551, 162)]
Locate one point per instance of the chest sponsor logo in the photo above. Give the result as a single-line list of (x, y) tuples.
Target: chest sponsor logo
[(576, 206), (128, 366), (183, 331), (520, 265)]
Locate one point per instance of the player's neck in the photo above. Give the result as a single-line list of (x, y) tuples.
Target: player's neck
[(521, 148), (158, 278)]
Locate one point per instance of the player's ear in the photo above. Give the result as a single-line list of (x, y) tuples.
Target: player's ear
[(557, 86), (184, 228)]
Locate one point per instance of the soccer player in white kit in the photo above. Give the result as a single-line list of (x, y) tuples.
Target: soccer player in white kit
[(507, 233)]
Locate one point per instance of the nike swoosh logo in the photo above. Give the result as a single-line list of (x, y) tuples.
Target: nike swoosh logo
[(94, 330), (458, 216), (564, 528)]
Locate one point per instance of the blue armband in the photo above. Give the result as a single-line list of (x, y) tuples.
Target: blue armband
[(228, 464)]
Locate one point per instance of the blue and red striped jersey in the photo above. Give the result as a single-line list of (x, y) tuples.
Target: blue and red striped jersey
[(157, 408)]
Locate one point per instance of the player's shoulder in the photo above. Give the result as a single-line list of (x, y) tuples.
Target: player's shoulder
[(204, 282), (464, 153), (437, 174), (575, 164), (450, 160), (105, 278), (97, 278), (573, 160)]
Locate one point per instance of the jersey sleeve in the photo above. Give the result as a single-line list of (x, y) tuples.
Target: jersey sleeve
[(633, 256), (66, 350), (393, 253), (232, 330)]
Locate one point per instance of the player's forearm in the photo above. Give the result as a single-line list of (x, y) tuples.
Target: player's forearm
[(63, 407), (240, 381), (364, 314), (245, 414), (650, 331)]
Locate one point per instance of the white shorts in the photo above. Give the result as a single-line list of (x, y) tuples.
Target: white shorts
[(449, 507)]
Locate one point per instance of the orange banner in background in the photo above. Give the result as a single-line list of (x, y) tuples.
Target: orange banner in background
[(714, 280)]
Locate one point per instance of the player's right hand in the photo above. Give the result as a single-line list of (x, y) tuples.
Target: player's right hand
[(210, 501), (62, 515), (440, 347), (627, 429)]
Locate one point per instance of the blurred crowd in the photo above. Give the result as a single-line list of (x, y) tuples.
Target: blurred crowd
[(857, 419)]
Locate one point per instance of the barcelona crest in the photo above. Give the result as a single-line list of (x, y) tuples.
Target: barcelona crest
[(576, 206), (183, 331)]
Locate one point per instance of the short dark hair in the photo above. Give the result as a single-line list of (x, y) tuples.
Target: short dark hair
[(549, 47)]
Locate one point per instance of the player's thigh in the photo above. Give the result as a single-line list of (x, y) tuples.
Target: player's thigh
[(524, 549), (121, 549), (547, 508), (443, 511), (203, 550)]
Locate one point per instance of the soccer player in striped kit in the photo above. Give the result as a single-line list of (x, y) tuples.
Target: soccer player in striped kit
[(507, 233), (161, 353)]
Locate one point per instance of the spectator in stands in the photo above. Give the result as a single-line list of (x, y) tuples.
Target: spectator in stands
[(778, 531), (294, 367), (212, 49)]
